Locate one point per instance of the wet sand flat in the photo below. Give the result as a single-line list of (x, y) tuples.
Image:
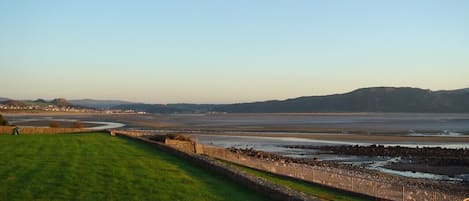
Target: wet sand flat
[(320, 126), (285, 121)]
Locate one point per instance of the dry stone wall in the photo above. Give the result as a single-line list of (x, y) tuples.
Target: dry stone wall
[(333, 177), (186, 146), (273, 191), (37, 130), (343, 179), (347, 180)]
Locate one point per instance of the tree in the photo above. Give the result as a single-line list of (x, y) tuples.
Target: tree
[(3, 122)]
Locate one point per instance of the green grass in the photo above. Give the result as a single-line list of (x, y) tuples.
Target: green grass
[(308, 188), (100, 167)]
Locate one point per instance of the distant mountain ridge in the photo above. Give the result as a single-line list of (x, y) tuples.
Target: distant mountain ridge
[(99, 104), (375, 99)]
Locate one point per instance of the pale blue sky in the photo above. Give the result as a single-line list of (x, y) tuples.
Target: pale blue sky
[(228, 51)]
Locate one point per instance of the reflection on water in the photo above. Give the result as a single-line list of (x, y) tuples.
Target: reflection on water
[(444, 133), (378, 165)]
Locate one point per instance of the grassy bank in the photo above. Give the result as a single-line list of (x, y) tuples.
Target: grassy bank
[(305, 187), (100, 167)]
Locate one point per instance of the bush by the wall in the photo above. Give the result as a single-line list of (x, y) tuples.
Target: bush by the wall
[(54, 124), (179, 137), (77, 124), (3, 122)]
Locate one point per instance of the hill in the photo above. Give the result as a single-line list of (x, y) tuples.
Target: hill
[(14, 103), (58, 102), (194, 108), (376, 99), (99, 104), (61, 102)]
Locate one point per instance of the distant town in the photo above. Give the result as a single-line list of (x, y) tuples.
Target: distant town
[(56, 105), (53, 108)]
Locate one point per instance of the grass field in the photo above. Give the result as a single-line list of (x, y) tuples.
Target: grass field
[(100, 167), (305, 187)]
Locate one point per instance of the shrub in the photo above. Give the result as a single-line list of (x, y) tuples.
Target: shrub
[(54, 124), (179, 137), (171, 136), (3, 122), (158, 138)]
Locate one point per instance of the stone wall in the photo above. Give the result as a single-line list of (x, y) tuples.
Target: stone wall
[(342, 179), (273, 191), (347, 180), (356, 182), (37, 130), (186, 146), (127, 133)]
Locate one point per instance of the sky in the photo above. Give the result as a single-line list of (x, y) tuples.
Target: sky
[(228, 51)]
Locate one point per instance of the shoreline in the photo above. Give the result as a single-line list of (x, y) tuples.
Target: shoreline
[(346, 137)]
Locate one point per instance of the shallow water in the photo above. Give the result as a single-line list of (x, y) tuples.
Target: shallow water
[(102, 124), (105, 125), (277, 146), (262, 142), (378, 165)]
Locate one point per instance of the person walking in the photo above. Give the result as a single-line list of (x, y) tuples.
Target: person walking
[(16, 130)]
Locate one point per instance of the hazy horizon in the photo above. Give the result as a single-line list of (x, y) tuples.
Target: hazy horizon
[(228, 52)]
